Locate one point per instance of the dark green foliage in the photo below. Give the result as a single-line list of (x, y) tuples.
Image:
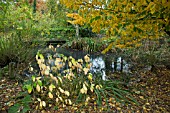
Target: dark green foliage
[(86, 32), (22, 105)]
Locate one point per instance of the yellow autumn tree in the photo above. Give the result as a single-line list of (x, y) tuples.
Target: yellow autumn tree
[(131, 21), (76, 21)]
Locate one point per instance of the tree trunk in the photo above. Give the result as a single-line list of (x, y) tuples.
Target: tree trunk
[(77, 30)]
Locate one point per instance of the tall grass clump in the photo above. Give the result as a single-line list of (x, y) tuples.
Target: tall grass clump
[(14, 52)]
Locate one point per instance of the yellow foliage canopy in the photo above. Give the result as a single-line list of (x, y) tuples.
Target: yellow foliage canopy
[(77, 18), (131, 20)]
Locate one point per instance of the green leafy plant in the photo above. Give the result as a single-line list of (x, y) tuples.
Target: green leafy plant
[(22, 105)]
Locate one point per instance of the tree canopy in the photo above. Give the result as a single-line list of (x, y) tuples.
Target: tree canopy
[(129, 21)]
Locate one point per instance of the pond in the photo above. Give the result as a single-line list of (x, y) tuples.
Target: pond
[(101, 64)]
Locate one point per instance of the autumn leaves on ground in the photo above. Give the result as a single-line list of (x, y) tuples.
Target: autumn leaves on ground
[(105, 26), (151, 90)]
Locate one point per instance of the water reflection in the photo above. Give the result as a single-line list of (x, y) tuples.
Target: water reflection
[(119, 65), (98, 66), (101, 64)]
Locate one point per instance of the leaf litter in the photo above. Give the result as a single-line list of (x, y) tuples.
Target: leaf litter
[(151, 90)]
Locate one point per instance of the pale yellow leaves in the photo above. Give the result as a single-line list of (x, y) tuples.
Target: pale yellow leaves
[(42, 103), (54, 78), (67, 93), (38, 88), (60, 84), (50, 95), (80, 61), (38, 78), (56, 89), (68, 101), (78, 65), (51, 87), (92, 87), (70, 75), (87, 58), (99, 86), (69, 64), (47, 72), (60, 98), (60, 79), (57, 100), (31, 69), (61, 90), (84, 89), (44, 69), (90, 77), (59, 64), (86, 70), (42, 66), (51, 47), (87, 100)]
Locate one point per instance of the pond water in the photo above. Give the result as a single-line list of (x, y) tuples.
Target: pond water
[(101, 64)]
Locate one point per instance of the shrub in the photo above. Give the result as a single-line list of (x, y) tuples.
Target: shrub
[(73, 85), (15, 51)]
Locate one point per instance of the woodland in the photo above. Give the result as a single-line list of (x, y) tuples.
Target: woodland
[(47, 50)]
